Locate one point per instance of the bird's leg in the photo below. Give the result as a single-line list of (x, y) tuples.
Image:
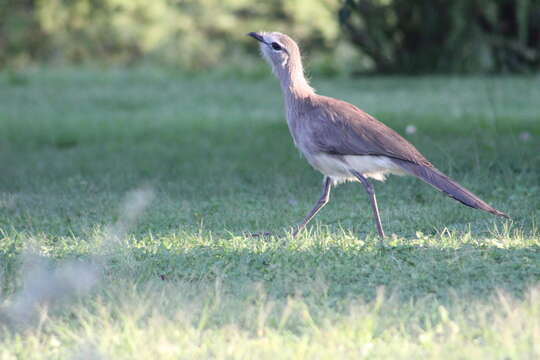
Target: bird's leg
[(371, 192), (325, 197)]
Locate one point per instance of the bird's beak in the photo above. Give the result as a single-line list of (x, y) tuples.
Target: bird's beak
[(256, 36)]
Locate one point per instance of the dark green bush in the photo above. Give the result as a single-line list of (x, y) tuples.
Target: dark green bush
[(445, 35), (22, 37)]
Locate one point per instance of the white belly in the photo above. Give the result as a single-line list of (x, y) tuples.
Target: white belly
[(338, 168)]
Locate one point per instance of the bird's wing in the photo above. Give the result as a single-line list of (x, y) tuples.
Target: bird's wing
[(340, 128)]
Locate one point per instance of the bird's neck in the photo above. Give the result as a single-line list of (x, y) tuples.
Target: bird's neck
[(294, 84)]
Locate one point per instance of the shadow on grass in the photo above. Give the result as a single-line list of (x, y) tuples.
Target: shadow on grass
[(343, 271)]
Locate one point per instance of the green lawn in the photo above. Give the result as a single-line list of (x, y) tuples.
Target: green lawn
[(125, 196)]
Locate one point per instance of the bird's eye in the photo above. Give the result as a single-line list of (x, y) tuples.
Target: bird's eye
[(276, 46)]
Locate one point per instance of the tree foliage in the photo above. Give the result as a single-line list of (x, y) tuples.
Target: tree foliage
[(195, 34), (445, 35), (391, 35)]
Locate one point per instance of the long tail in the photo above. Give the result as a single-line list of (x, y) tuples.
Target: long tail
[(437, 179)]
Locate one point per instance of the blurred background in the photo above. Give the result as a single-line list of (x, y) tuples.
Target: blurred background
[(339, 37)]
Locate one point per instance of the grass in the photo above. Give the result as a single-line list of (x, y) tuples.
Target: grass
[(125, 196)]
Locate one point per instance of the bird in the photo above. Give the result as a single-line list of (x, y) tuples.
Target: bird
[(345, 143)]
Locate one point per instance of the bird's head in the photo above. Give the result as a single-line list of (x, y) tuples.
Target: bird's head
[(278, 49)]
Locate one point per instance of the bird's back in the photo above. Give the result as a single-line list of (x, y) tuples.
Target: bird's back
[(335, 127)]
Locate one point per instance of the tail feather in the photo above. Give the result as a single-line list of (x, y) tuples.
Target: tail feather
[(437, 179)]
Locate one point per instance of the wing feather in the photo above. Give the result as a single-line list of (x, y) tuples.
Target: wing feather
[(341, 128)]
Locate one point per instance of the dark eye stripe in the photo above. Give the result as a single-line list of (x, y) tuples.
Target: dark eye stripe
[(276, 46)]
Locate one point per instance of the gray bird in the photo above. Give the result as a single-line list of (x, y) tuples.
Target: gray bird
[(343, 142)]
